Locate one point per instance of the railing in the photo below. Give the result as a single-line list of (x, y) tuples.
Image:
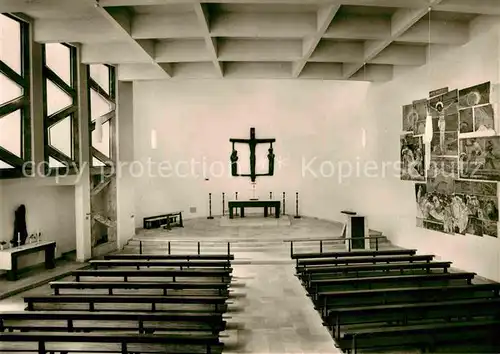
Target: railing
[(169, 244), (338, 239)]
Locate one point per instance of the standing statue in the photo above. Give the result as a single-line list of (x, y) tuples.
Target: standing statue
[(234, 162), (20, 229), (270, 157)]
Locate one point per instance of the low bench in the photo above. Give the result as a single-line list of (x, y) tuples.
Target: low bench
[(221, 287), (401, 314), (224, 275), (187, 257), (160, 263), (81, 321), (425, 336), (332, 299), (359, 260), (308, 274), (154, 302), (166, 220), (46, 343), (317, 285)]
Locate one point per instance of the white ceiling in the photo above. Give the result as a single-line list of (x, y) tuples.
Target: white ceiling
[(304, 39)]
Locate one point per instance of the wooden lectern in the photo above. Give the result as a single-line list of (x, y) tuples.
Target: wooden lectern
[(355, 227)]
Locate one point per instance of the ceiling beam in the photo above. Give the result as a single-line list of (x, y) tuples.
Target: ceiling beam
[(131, 72), (122, 20), (403, 55), (442, 32), (386, 3), (211, 43), (359, 28), (482, 7), (401, 21), (324, 16)]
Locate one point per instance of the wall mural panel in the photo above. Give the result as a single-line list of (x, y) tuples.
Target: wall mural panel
[(458, 192), (412, 158)]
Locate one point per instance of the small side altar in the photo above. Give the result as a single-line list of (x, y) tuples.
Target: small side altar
[(9, 257)]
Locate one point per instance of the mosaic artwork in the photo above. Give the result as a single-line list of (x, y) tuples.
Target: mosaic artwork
[(459, 192), (472, 208), (412, 158)]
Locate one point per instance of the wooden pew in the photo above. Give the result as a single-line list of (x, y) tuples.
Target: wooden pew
[(45, 343), (317, 285), (401, 314), (126, 274), (82, 321), (209, 257), (427, 337), (217, 303), (220, 287), (307, 274), (342, 254), (141, 263), (332, 299), (359, 260)]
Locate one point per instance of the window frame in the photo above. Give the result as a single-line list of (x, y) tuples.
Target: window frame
[(110, 117), (22, 103), (72, 162)]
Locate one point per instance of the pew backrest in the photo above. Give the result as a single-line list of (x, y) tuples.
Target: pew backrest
[(357, 260), (186, 257), (342, 254)]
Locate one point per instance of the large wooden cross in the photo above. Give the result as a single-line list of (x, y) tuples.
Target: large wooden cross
[(252, 143)]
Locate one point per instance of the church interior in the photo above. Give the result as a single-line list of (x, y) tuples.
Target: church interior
[(249, 176)]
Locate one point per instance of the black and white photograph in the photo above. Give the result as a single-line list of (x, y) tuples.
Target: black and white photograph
[(412, 158), (474, 95), (410, 118), (466, 120), (444, 144), (480, 158), (484, 119), (420, 114), (223, 177)]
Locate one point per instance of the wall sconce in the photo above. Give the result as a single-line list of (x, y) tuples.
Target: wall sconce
[(154, 140), (363, 137)]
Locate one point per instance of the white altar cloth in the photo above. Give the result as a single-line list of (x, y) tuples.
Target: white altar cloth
[(6, 254)]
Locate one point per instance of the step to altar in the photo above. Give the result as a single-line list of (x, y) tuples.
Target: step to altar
[(255, 220)]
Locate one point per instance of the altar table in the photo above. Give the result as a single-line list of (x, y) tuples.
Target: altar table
[(9, 257), (242, 204)]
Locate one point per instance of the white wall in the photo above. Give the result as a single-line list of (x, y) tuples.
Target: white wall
[(195, 119), (50, 209), (389, 202)]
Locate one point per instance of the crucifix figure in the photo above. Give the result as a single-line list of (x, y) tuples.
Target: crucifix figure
[(252, 143)]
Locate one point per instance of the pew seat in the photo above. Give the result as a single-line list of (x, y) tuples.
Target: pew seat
[(46, 343), (428, 337), (419, 279), (311, 273), (220, 287), (327, 299), (80, 321), (160, 263), (342, 254), (360, 260), (212, 257), (224, 275), (403, 314), (152, 303)]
